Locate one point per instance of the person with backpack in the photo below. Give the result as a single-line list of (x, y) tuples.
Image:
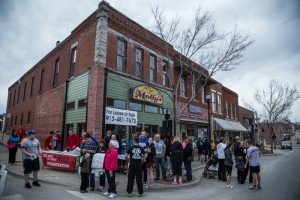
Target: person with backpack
[(200, 149)]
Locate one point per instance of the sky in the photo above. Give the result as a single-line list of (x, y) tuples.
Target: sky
[(29, 30)]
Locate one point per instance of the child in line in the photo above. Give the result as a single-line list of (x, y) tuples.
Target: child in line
[(84, 173)]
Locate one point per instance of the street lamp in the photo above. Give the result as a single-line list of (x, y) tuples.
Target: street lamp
[(208, 96)]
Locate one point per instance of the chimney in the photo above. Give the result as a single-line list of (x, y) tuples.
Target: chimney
[(57, 43)]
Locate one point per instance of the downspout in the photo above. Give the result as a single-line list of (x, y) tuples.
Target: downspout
[(104, 102), (64, 136)]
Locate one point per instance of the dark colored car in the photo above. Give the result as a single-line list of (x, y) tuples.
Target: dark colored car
[(286, 145)]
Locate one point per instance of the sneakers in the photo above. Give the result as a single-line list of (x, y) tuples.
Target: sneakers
[(129, 195), (81, 191), (106, 193), (112, 195), (27, 185), (174, 182), (141, 195), (99, 188), (36, 183), (258, 187), (92, 189), (253, 188), (150, 187), (180, 182), (229, 186), (145, 184)]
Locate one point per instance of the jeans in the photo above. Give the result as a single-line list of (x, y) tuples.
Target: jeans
[(102, 179), (222, 170), (162, 163), (111, 182), (188, 168)]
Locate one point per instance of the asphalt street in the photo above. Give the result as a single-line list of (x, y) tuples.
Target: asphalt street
[(280, 180)]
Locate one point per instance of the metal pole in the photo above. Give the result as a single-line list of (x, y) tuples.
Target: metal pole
[(209, 149)]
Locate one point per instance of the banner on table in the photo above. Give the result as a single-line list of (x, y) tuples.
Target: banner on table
[(120, 117)]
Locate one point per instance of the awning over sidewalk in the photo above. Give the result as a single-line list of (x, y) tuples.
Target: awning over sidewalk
[(227, 125)]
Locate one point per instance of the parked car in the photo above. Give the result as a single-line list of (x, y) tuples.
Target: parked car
[(286, 145)]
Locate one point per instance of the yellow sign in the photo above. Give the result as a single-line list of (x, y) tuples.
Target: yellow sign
[(148, 94)]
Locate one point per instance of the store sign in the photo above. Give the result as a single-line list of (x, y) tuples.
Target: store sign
[(148, 94), (120, 117), (195, 109)]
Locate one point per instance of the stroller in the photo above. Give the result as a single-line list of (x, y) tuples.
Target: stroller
[(211, 169)]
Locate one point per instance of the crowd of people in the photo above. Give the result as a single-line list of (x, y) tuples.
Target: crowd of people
[(142, 155)]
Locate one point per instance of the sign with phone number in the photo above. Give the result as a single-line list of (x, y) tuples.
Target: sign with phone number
[(120, 117)]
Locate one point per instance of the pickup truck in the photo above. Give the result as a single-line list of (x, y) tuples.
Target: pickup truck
[(286, 145)]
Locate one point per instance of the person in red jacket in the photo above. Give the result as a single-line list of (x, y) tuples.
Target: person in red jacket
[(50, 141), (21, 132), (111, 165), (57, 135), (73, 140)]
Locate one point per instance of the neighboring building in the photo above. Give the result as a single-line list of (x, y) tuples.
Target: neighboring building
[(1, 123), (246, 117), (113, 74)]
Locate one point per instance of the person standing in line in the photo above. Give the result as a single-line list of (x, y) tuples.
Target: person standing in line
[(131, 139), (176, 151), (159, 159), (73, 140), (50, 141), (188, 158), (15, 139), (236, 147), (102, 150), (247, 168), (221, 159), (206, 147), (143, 143), (82, 137), (31, 149), (228, 164), (212, 147), (150, 155), (21, 132), (107, 138), (168, 157), (58, 141), (135, 156), (254, 164), (84, 172), (89, 146), (200, 149), (111, 166)]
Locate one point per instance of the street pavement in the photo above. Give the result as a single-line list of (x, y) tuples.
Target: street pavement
[(72, 179)]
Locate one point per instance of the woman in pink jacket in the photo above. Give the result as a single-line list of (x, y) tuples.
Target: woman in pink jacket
[(111, 165)]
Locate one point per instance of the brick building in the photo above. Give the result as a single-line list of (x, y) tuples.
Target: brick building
[(111, 73)]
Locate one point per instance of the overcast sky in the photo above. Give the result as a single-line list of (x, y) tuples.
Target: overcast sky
[(29, 29)]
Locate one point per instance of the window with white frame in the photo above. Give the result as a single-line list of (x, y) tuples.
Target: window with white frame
[(193, 87), (235, 116), (165, 74), (203, 95), (152, 68), (121, 55), (183, 86), (226, 108), (213, 102), (231, 111), (219, 104), (139, 62), (73, 61)]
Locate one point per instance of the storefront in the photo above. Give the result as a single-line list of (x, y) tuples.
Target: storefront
[(146, 105)]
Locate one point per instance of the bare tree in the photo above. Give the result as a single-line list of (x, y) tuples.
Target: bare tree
[(202, 51), (276, 102)]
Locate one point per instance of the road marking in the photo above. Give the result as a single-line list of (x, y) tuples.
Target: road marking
[(88, 196), (13, 197)]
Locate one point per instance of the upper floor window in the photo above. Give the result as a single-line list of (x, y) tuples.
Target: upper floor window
[(202, 95), (139, 62), (12, 121), (71, 105), (24, 93), (152, 68), (165, 74), (235, 116), (213, 102), (21, 121), (14, 97), (121, 55), (231, 111), (82, 103), (16, 120), (219, 103), (135, 106), (226, 108), (42, 81), (183, 86), (151, 109), (28, 117), (73, 61), (32, 85), (18, 94), (116, 103), (56, 70), (9, 100), (193, 82)]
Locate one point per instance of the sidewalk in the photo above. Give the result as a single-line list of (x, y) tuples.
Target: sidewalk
[(72, 179)]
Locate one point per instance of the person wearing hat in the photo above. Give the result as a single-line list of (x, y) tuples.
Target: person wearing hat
[(89, 146), (31, 150), (221, 158)]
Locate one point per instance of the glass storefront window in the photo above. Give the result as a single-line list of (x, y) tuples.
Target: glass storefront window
[(135, 129), (151, 109), (151, 130), (116, 103), (135, 106)]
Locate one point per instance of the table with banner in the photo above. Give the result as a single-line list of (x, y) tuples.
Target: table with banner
[(62, 160)]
